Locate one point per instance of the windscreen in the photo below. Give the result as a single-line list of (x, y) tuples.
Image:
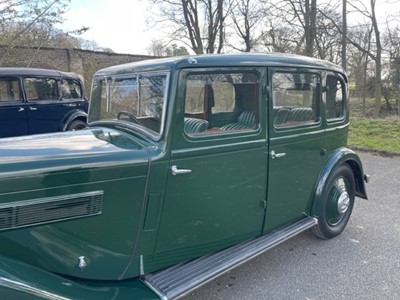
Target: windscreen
[(131, 99)]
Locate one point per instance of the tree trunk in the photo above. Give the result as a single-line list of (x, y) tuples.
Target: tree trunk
[(378, 61), (344, 34)]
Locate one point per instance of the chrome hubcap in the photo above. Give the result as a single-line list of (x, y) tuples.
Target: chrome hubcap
[(343, 202)]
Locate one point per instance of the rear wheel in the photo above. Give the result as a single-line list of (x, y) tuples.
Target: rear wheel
[(76, 125), (338, 201)]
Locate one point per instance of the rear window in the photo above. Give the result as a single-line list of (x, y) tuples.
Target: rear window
[(71, 89)]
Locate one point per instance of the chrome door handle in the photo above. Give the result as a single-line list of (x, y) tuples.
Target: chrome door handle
[(277, 155), (32, 108), (176, 171), (21, 109)]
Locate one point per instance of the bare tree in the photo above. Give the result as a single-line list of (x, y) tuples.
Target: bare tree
[(199, 22), (246, 16), (160, 48), (375, 54), (344, 34), (23, 20), (301, 17)]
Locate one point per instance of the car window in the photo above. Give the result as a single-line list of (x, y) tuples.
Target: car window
[(9, 90), (295, 98), (40, 89), (136, 98), (335, 98), (71, 89), (221, 102)]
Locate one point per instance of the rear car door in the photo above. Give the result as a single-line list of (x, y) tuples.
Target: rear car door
[(297, 152), (72, 97), (13, 113), (216, 183), (44, 108)]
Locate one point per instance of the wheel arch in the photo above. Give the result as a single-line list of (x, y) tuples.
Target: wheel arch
[(338, 158), (72, 116)]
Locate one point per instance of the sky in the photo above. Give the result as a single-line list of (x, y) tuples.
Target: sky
[(117, 24), (121, 24)]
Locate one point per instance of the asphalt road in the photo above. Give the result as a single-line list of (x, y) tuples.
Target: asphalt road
[(362, 263)]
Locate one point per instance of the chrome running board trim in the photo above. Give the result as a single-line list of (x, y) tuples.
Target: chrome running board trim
[(179, 280)]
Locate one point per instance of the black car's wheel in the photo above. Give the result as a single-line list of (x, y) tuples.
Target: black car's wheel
[(76, 125), (338, 200)]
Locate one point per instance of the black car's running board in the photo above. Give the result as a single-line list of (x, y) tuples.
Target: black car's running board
[(178, 280)]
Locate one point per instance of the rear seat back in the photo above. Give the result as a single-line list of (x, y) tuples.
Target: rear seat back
[(246, 120), (300, 114), (192, 125)]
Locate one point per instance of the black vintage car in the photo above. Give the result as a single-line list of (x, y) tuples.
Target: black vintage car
[(39, 101)]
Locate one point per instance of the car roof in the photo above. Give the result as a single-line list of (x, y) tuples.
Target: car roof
[(222, 60), (36, 72)]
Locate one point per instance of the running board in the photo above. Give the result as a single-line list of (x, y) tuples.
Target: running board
[(178, 280)]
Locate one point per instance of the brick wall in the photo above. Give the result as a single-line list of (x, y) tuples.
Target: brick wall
[(83, 62)]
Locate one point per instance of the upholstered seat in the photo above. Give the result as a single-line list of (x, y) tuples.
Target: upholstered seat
[(300, 114), (245, 120), (193, 125)]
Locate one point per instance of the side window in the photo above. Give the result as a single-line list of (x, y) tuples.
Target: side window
[(71, 89), (295, 98), (335, 98), (9, 90), (41, 89), (221, 102)]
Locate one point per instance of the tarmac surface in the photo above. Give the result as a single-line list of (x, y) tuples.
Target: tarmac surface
[(361, 263)]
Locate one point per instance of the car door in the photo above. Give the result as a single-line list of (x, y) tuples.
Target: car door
[(44, 107), (296, 150), (216, 184), (13, 113)]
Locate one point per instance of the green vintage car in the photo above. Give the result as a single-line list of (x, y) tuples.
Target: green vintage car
[(190, 167)]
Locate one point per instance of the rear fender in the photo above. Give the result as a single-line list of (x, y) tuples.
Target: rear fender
[(74, 115), (339, 157)]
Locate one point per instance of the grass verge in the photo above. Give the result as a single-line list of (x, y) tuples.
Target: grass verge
[(379, 135)]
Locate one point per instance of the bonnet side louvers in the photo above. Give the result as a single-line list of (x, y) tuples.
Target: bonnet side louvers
[(50, 209)]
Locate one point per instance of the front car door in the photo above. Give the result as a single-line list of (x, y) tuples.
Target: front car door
[(13, 113), (217, 181), (297, 151)]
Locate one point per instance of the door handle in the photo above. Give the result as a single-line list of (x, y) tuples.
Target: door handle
[(32, 108), (176, 171), (21, 109), (277, 155)]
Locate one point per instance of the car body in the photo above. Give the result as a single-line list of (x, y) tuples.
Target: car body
[(190, 166), (36, 101)]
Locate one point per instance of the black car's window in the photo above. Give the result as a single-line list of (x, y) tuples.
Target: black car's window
[(71, 89), (296, 98), (335, 98), (9, 90), (221, 102), (40, 89)]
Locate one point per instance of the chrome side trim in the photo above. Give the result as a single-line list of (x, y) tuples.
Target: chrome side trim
[(30, 290)]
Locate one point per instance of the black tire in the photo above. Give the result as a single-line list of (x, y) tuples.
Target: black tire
[(76, 125), (337, 203)]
